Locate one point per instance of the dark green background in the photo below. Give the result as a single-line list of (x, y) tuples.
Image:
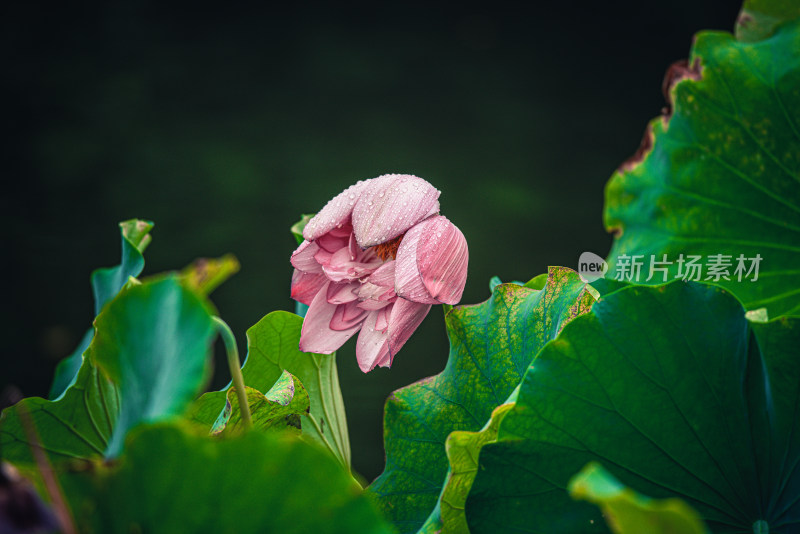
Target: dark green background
[(223, 124)]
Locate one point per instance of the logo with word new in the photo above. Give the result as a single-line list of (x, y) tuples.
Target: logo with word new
[(591, 267)]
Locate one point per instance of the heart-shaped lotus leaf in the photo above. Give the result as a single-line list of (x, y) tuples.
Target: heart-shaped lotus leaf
[(491, 345), (278, 409), (462, 454), (148, 359), (172, 479), (714, 193), (676, 393), (106, 283), (272, 348), (627, 512)]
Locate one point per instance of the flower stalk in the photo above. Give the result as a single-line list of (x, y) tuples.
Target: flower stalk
[(236, 369)]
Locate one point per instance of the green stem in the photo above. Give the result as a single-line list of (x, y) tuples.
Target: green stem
[(236, 369)]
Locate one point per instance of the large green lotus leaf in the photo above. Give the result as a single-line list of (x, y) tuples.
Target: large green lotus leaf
[(721, 174), (172, 480), (77, 425), (106, 283), (676, 393), (148, 359), (491, 345), (627, 512), (273, 347), (280, 408), (153, 342), (462, 450)]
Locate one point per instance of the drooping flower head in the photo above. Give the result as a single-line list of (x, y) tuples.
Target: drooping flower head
[(375, 259)]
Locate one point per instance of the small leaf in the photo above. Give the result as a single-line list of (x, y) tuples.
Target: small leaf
[(206, 274), (279, 409), (297, 228), (106, 283), (273, 347), (627, 512)]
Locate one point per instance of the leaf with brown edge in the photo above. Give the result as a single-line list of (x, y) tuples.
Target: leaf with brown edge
[(491, 346), (718, 176)]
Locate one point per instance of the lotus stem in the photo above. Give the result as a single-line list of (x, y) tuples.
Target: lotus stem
[(236, 369)]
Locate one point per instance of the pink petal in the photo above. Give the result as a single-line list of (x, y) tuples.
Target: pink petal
[(382, 320), (372, 347), (378, 290), (335, 213), (316, 334), (333, 242), (347, 316), (405, 318), (341, 266), (384, 275), (305, 286), (372, 305), (391, 204), (303, 258), (335, 265), (408, 282), (442, 258), (342, 293), (432, 263)]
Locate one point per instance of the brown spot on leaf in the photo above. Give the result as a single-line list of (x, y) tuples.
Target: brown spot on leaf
[(644, 148), (676, 72), (680, 70), (293, 420), (744, 19)]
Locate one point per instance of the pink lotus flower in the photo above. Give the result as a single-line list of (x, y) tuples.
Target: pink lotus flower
[(375, 259)]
